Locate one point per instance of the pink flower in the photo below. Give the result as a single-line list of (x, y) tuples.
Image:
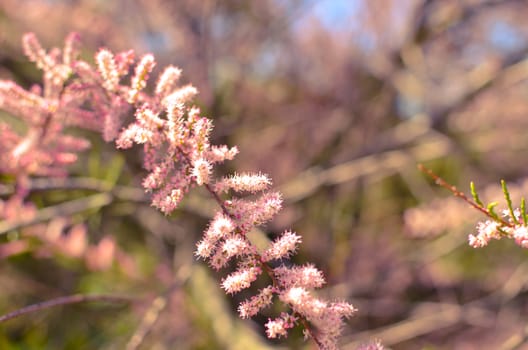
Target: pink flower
[(240, 279), (283, 247), (279, 326), (201, 171), (36, 53), (244, 183), (167, 81), (327, 317), (520, 234), (251, 307), (307, 276), (220, 227), (139, 80), (108, 69), (486, 231)]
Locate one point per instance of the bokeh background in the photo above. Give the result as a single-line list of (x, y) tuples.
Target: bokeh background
[(338, 100)]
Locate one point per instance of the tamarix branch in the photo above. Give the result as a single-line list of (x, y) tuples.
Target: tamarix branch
[(178, 156), (511, 224)]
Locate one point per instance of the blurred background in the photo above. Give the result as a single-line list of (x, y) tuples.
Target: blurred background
[(338, 100)]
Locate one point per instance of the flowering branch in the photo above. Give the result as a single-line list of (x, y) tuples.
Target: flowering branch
[(178, 156), (512, 224)]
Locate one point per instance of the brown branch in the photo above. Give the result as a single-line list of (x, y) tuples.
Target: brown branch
[(70, 299), (157, 306), (457, 193), (66, 209), (79, 183)]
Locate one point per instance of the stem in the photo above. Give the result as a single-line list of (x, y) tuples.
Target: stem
[(64, 209), (153, 312), (70, 299), (265, 266), (441, 182)]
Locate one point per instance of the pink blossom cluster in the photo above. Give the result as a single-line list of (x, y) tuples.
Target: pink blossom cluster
[(178, 155), (510, 227), (226, 239), (42, 148)]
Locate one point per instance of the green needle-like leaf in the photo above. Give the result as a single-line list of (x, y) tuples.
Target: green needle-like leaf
[(508, 201), (475, 194)]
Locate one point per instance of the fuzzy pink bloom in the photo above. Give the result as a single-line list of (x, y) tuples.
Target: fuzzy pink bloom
[(142, 135), (127, 137), (17, 101), (157, 176), (201, 171), (251, 307), (177, 128), (244, 183), (167, 81), (108, 69), (327, 317), (218, 154), (201, 128), (283, 247), (304, 303), (145, 129), (520, 235), (182, 95), (276, 328), (258, 212), (133, 134), (167, 199), (235, 246), (205, 248), (486, 231), (40, 151), (150, 120), (139, 80), (218, 260), (220, 227), (307, 276), (35, 52), (240, 279), (71, 48), (279, 326), (229, 248), (123, 61)]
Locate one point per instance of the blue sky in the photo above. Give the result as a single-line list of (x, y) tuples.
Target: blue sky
[(336, 14)]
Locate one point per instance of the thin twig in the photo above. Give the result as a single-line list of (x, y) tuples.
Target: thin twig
[(387, 162), (79, 183), (147, 322), (152, 314), (70, 299), (457, 193), (64, 209)]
